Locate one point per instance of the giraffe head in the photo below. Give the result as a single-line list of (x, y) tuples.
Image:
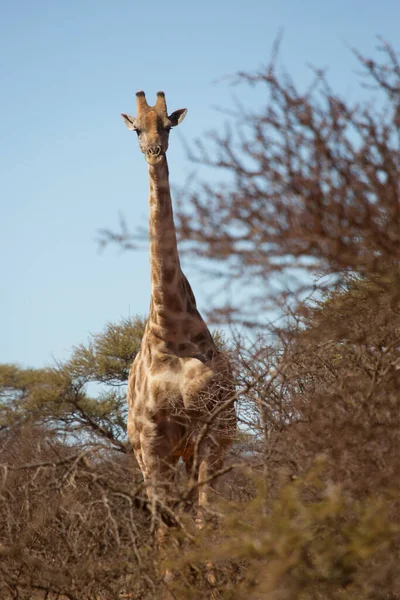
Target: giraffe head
[(152, 125)]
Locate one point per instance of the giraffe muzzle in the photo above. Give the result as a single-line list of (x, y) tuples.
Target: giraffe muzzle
[(154, 155)]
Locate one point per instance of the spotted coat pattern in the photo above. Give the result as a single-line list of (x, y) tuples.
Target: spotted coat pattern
[(179, 377)]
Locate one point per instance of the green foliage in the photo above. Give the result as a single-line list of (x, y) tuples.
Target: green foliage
[(108, 356), (19, 388), (58, 397)]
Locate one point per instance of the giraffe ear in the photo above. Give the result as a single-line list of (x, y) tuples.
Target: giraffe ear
[(129, 121), (177, 116)]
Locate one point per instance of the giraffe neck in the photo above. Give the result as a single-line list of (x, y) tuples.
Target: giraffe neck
[(172, 301)]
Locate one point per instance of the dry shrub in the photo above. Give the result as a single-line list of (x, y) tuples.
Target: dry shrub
[(310, 203), (72, 521)]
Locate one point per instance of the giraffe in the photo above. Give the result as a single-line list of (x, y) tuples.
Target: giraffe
[(179, 379)]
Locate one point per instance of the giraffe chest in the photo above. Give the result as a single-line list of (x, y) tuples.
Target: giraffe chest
[(163, 394), (182, 384), (171, 382)]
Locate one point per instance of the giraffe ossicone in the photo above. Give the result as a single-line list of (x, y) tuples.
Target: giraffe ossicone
[(180, 392)]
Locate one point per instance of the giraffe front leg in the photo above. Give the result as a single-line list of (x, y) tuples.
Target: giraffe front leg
[(210, 463), (192, 476), (158, 465)]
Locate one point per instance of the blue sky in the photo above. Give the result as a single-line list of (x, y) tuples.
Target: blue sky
[(68, 165)]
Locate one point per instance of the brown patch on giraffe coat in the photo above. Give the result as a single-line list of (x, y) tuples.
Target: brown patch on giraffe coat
[(168, 274), (169, 300), (189, 324), (187, 292), (173, 301), (210, 354), (168, 324), (199, 338)]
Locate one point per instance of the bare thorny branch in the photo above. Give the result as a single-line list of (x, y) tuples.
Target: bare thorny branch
[(310, 201)]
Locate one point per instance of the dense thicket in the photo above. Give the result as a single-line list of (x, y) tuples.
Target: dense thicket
[(308, 217)]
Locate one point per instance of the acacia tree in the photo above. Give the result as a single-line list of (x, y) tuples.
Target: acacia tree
[(58, 397)]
